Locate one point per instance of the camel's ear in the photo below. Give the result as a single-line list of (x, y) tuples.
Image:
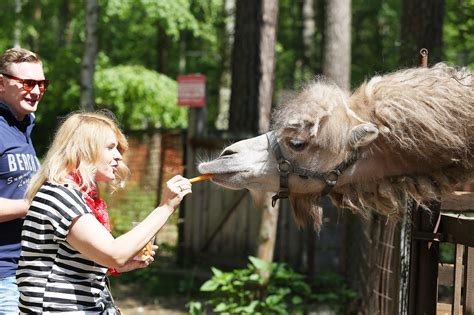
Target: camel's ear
[(307, 210), (362, 135)]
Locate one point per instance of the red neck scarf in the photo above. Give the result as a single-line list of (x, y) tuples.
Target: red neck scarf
[(97, 205)]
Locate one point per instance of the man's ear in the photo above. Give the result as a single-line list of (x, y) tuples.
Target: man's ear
[(362, 135), (2, 87)]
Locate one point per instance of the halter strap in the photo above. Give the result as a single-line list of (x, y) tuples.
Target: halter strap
[(286, 167)]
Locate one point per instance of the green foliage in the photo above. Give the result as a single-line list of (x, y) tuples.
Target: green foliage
[(245, 291), (152, 281), (446, 252), (139, 97), (458, 32), (375, 38), (126, 206), (172, 15), (330, 289)]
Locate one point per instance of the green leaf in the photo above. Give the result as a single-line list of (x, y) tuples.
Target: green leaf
[(209, 285), (260, 264), (216, 272), (296, 300)]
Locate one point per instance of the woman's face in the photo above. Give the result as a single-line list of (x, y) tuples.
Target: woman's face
[(108, 159)]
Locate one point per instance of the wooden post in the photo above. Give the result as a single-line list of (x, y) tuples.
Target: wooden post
[(469, 282), (458, 259), (197, 118), (423, 283)]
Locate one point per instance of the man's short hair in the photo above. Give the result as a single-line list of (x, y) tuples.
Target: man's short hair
[(17, 55)]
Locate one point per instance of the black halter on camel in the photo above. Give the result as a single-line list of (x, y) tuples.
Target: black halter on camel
[(286, 167)]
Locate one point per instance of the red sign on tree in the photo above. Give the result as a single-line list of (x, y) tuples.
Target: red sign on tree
[(192, 90)]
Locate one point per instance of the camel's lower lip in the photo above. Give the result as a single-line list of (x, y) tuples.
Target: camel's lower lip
[(223, 177), (230, 180)]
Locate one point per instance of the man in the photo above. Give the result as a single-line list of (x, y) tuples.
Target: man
[(22, 85)]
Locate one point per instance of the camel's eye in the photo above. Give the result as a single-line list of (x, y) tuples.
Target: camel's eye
[(297, 145)]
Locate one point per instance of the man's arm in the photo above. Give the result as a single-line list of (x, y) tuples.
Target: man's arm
[(11, 209)]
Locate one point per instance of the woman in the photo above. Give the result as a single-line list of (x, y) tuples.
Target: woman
[(67, 247)]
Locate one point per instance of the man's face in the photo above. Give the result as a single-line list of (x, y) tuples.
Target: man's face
[(21, 102)]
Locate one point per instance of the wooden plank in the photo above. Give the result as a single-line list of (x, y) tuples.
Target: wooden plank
[(457, 230), (446, 275), (469, 282), (443, 309), (243, 214), (458, 201), (459, 253)]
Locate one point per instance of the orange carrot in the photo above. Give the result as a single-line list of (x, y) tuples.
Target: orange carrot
[(200, 178), (147, 250)]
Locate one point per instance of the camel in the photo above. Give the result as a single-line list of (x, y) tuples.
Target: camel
[(409, 133)]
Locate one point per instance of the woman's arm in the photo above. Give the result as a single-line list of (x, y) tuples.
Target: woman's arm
[(88, 236)]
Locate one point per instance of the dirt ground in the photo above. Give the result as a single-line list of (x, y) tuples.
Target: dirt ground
[(131, 303), (130, 298)]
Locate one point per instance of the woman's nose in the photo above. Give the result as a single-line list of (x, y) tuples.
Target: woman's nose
[(118, 155)]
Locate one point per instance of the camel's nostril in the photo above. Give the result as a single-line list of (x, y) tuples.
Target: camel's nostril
[(227, 152)]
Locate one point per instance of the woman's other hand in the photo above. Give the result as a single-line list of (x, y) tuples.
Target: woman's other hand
[(133, 264)]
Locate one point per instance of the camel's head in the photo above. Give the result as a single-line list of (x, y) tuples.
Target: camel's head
[(315, 131)]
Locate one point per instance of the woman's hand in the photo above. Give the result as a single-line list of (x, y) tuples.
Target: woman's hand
[(175, 190), (133, 264)]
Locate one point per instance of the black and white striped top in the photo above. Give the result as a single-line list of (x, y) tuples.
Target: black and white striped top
[(52, 276)]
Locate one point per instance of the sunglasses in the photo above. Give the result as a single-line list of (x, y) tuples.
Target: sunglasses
[(29, 84)]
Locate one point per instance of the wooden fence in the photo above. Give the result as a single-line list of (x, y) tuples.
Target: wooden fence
[(442, 288), (221, 226)]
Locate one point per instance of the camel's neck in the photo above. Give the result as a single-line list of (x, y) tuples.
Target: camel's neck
[(377, 163)]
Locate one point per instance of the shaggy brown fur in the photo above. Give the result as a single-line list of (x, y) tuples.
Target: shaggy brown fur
[(423, 114)]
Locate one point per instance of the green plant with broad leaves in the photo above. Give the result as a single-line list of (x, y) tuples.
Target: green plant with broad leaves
[(245, 291)]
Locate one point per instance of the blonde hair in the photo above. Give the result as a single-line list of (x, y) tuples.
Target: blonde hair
[(17, 55), (76, 148)]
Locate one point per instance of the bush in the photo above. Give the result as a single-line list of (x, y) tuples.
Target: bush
[(245, 291), (140, 98)]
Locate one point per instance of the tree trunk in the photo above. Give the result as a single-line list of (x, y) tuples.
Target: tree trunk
[(18, 24), (35, 38), (337, 42), (90, 53), (162, 50), (64, 14), (306, 45), (421, 27), (253, 65), (225, 30)]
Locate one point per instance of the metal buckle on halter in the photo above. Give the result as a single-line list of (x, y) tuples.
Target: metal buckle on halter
[(331, 177), (283, 193), (284, 166)]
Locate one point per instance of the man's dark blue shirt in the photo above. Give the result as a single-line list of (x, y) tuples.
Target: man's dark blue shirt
[(18, 163)]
